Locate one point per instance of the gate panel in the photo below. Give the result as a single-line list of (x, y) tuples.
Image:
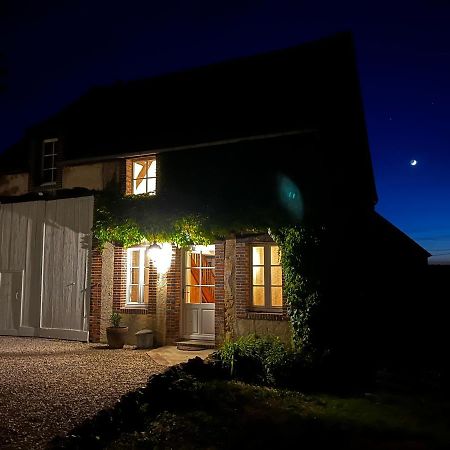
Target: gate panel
[(65, 268), (44, 268), (10, 301)]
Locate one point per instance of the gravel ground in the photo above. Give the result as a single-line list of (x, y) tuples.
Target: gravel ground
[(49, 386)]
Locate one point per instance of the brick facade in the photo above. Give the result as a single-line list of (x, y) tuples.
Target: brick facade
[(220, 292), (174, 297), (96, 296)]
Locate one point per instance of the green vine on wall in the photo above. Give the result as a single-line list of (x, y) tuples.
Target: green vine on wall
[(301, 260), (131, 220)]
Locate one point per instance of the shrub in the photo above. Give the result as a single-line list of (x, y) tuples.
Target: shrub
[(115, 318), (255, 359)]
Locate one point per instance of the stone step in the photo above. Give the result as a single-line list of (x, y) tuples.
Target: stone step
[(192, 345)]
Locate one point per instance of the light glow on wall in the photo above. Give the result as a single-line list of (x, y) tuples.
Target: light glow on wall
[(161, 256)]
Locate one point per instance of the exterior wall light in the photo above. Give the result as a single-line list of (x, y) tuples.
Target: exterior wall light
[(161, 256)]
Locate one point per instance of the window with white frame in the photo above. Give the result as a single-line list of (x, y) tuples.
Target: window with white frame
[(266, 276), (48, 165), (144, 176), (138, 276)]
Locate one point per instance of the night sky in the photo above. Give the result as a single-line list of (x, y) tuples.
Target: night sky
[(55, 50)]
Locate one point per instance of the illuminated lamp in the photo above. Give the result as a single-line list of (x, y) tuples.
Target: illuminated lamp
[(161, 256)]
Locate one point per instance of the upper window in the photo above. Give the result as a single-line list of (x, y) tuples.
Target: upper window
[(144, 176), (49, 153), (138, 276), (267, 290)]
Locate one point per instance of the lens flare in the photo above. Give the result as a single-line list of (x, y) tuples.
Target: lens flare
[(290, 197)]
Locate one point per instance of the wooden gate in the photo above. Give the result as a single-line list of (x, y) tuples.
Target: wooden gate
[(44, 268)]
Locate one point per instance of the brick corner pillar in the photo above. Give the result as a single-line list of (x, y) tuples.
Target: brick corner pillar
[(96, 295), (107, 289), (173, 298), (219, 314)]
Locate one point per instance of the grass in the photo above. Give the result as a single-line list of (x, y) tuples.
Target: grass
[(228, 414)]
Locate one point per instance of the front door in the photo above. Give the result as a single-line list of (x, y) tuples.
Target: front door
[(199, 293)]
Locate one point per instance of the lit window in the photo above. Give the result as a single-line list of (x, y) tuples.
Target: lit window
[(267, 290), (144, 176), (200, 277), (48, 172), (138, 276)]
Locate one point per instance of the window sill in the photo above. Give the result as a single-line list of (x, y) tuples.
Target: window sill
[(266, 315), (134, 307)]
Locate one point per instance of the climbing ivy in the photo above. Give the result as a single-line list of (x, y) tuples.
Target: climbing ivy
[(301, 260), (130, 220)]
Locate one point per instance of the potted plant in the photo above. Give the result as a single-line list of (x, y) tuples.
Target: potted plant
[(116, 334)]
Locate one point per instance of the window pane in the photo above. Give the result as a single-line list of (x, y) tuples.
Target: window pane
[(134, 294), (258, 296), (139, 169), (207, 260), (276, 275), (258, 256), (277, 296), (139, 186), (194, 276), (193, 294), (48, 162), (146, 275), (145, 289), (258, 276), (274, 255), (194, 259), (152, 169), (208, 276), (49, 148), (208, 294), (151, 185), (135, 258), (134, 276)]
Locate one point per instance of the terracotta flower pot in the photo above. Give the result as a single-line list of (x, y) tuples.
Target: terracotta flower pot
[(116, 336)]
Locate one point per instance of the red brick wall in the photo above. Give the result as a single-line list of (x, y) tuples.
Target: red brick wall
[(220, 292), (126, 176), (96, 296), (174, 294), (242, 279), (119, 278)]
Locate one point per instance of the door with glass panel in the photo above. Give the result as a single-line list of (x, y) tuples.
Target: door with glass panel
[(199, 293)]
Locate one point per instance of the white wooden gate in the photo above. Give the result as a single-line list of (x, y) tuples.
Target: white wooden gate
[(44, 268)]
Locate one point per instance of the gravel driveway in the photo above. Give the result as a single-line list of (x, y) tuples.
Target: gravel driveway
[(49, 386)]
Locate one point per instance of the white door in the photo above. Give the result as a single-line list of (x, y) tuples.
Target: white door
[(199, 293), (10, 301)]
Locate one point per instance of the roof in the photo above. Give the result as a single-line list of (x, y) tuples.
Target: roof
[(396, 240), (313, 86)]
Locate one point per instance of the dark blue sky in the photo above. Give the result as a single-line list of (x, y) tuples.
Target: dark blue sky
[(54, 50)]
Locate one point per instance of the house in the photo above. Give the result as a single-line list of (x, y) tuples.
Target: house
[(279, 136)]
